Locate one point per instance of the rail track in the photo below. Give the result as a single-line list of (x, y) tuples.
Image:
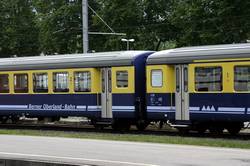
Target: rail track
[(84, 126)]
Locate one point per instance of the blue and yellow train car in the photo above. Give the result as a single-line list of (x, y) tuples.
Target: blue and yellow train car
[(99, 86), (200, 87)]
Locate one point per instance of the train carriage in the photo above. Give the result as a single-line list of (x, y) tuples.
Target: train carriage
[(201, 88), (100, 86)]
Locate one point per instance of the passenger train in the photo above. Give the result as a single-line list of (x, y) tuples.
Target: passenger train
[(192, 88)]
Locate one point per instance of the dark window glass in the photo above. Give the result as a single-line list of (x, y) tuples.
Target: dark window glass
[(121, 79), (109, 81), (4, 83), (61, 82), (208, 79), (21, 83), (185, 79), (40, 82), (82, 81), (103, 81), (242, 78), (177, 79)]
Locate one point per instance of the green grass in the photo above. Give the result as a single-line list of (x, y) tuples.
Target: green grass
[(213, 142)]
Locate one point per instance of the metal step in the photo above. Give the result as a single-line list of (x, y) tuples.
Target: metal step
[(104, 122), (179, 125)]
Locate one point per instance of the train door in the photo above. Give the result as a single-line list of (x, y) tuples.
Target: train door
[(106, 97), (181, 93)]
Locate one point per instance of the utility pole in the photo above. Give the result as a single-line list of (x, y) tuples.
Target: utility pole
[(85, 37)]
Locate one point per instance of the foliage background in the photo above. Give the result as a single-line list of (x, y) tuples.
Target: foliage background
[(32, 27)]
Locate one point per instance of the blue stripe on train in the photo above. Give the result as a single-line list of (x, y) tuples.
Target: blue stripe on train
[(65, 105), (50, 105), (212, 106), (123, 105)]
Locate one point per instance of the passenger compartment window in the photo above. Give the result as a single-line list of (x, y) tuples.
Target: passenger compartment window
[(156, 78), (242, 78), (208, 79), (4, 83), (121, 79), (61, 82), (21, 83), (82, 81), (40, 82)]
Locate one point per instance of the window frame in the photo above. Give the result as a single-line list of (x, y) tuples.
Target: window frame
[(151, 78), (20, 91), (221, 78), (6, 91), (33, 86), (234, 75), (116, 80), (90, 81), (54, 89)]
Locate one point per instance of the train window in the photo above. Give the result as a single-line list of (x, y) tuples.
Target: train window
[(109, 81), (82, 81), (177, 80), (21, 83), (121, 79), (208, 79), (242, 78), (156, 78), (185, 79), (40, 82), (4, 83), (61, 82), (103, 81)]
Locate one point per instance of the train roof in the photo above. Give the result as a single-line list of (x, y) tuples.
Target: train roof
[(103, 59), (191, 54)]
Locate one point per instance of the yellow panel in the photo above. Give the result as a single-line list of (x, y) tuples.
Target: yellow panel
[(227, 78), (131, 81), (168, 85), (11, 83)]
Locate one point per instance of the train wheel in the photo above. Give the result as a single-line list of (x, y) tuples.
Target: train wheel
[(15, 119), (141, 126), (4, 120), (201, 128), (234, 128), (216, 130)]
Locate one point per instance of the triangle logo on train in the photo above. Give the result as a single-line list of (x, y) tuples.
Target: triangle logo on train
[(208, 108)]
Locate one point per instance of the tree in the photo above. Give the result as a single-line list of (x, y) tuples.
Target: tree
[(211, 22), (19, 34)]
